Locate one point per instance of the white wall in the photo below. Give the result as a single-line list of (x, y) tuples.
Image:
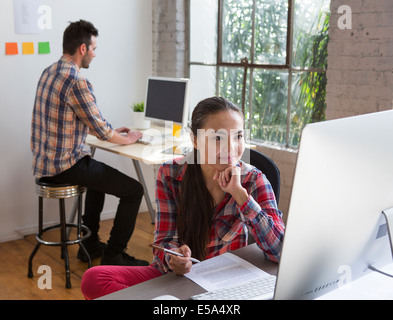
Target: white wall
[(124, 60)]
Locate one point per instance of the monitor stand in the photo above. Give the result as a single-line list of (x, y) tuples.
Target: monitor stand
[(388, 213)]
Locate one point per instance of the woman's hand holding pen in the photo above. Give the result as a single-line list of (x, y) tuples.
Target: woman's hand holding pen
[(229, 181), (181, 265)]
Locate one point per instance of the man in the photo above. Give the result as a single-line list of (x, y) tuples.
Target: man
[(65, 111)]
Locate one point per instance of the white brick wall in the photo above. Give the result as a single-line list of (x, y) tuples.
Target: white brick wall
[(170, 38), (286, 162), (360, 60)]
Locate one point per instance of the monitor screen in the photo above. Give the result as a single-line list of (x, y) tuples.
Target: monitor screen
[(335, 228), (167, 100)]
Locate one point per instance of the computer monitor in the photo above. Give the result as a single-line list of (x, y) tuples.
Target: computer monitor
[(335, 228), (167, 99)]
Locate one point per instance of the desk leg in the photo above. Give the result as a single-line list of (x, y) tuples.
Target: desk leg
[(141, 180), (146, 192), (93, 151)]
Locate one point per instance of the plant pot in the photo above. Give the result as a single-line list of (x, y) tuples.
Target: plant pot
[(139, 121)]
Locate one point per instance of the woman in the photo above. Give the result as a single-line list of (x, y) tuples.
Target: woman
[(206, 203)]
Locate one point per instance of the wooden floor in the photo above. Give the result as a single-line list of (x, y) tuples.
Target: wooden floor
[(14, 255)]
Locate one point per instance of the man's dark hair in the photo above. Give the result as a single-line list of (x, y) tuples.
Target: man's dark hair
[(76, 34)]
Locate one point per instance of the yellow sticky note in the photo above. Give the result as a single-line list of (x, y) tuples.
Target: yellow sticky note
[(176, 130), (28, 47)]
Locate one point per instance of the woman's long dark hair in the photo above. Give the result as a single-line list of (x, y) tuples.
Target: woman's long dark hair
[(196, 207)]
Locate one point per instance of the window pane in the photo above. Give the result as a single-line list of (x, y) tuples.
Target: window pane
[(308, 101), (231, 87), (202, 84), (231, 84), (271, 32), (270, 105), (311, 27), (203, 31), (236, 30), (266, 89)]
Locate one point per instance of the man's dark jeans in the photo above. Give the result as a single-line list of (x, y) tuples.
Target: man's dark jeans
[(101, 179)]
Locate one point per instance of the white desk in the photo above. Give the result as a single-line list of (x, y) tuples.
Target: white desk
[(149, 154), (372, 286)]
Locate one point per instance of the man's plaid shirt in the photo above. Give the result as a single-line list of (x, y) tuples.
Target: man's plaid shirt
[(65, 111)]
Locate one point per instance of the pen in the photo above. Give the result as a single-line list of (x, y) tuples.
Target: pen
[(171, 252)]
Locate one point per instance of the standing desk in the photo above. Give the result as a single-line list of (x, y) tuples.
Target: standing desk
[(149, 154), (182, 287)]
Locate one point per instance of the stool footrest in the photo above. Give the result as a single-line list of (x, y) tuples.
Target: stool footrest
[(62, 243)]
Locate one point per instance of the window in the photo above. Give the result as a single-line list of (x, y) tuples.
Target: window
[(268, 56)]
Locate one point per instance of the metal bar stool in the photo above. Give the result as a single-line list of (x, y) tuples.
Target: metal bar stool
[(51, 190)]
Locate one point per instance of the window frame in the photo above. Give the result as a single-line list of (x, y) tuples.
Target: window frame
[(249, 67)]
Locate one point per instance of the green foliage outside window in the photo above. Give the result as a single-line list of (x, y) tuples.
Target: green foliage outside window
[(265, 45)]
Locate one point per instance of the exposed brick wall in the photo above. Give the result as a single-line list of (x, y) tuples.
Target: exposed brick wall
[(286, 162), (360, 60), (170, 38)]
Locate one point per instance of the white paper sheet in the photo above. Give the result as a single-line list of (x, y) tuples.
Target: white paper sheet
[(26, 16), (224, 271)]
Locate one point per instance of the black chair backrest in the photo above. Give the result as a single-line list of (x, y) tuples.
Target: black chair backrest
[(268, 168)]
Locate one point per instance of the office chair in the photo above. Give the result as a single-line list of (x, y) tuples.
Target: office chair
[(267, 166), (269, 169)]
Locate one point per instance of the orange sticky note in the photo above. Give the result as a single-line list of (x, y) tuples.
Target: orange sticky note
[(11, 48), (28, 48), (176, 130)]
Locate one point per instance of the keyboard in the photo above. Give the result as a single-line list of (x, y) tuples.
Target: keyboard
[(259, 289), (178, 150), (154, 139)]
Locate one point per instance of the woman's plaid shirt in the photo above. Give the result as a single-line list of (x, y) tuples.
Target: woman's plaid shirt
[(231, 223)]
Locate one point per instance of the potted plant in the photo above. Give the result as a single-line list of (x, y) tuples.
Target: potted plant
[(139, 116)]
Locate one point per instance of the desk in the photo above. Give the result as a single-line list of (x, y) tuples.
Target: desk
[(182, 287), (149, 154)]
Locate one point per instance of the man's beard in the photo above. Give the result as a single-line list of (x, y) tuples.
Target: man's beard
[(86, 61)]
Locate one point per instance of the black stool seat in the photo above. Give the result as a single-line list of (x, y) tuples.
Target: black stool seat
[(47, 182), (50, 190), (47, 189)]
